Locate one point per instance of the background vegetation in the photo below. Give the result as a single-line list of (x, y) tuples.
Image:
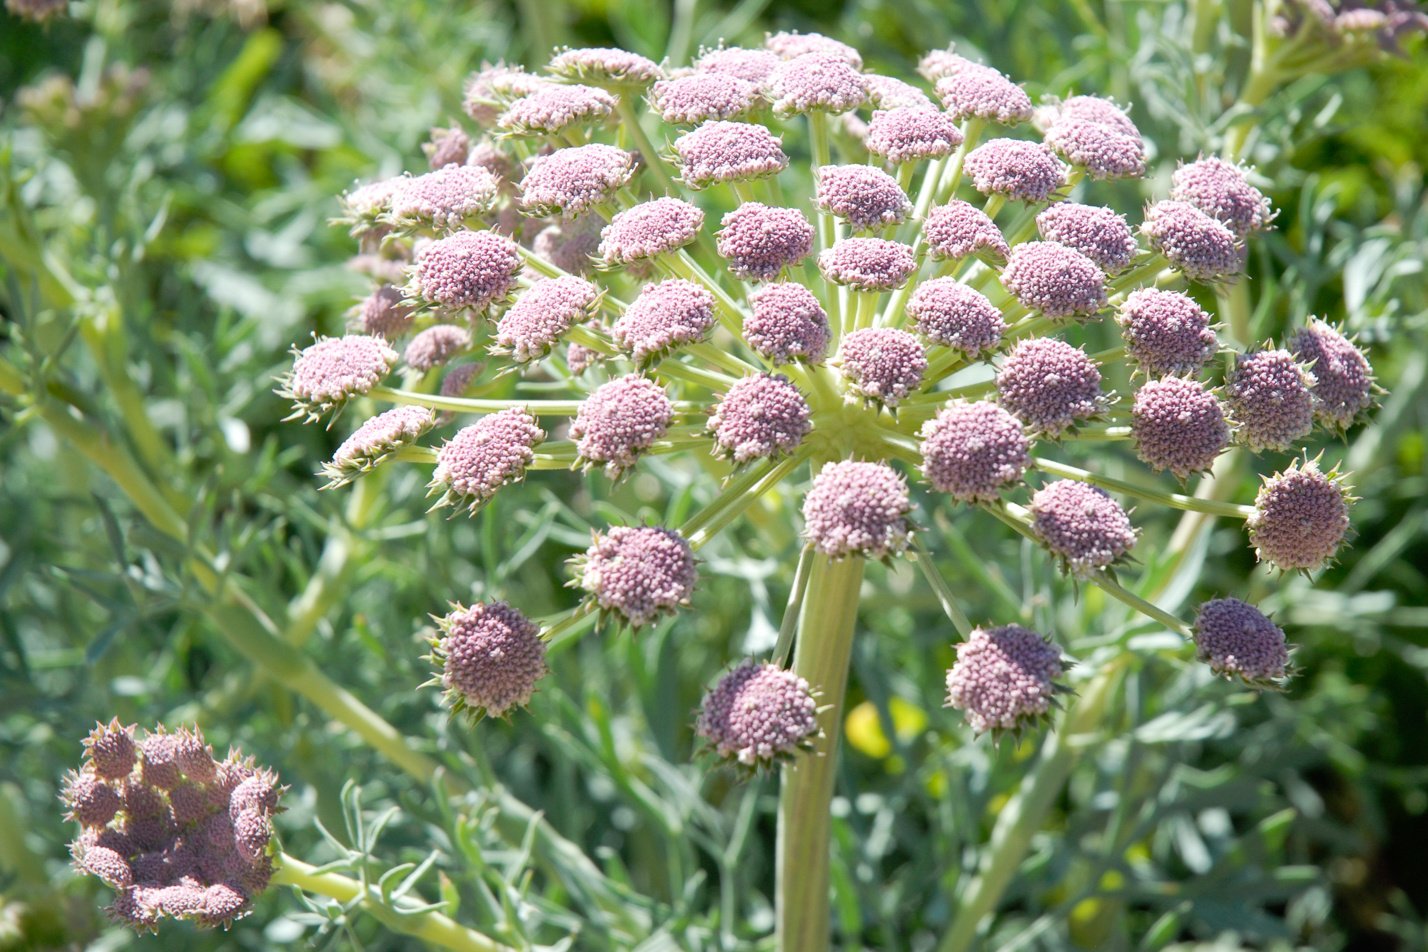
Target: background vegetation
[(167, 175)]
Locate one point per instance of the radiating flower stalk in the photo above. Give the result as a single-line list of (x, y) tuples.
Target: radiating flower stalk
[(858, 335)]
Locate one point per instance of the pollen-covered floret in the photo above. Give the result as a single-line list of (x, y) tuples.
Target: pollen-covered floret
[(758, 714), (485, 456), (470, 269), (1058, 281), (542, 314), (1100, 149), (752, 66), (759, 240), (1200, 247), (1004, 678), (1098, 233), (1021, 170), (761, 416), (1166, 332), (605, 66), (649, 229), (435, 346), (446, 199), (1237, 641), (1343, 380), (857, 508), (1082, 525), (865, 197), (490, 656), (949, 313), (959, 229), (555, 107), (384, 314), (973, 450), (868, 264), (722, 151), (700, 97), (1300, 517), (1271, 400), (787, 324), (638, 573), (1178, 425), (911, 134), (1049, 384), (790, 44), (882, 364), (375, 440), (1222, 190), (332, 370), (570, 182), (816, 81), (974, 91), (664, 316), (620, 420)]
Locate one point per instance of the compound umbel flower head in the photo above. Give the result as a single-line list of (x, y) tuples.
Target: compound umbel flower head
[(787, 285)]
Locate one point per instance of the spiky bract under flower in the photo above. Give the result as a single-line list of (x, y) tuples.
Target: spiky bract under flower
[(1300, 518), (638, 573), (490, 657)]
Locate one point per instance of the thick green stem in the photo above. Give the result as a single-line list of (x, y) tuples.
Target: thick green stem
[(430, 926), (821, 657), (653, 161), (1211, 507)]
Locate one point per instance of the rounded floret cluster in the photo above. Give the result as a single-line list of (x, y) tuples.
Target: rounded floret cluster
[(605, 66), (1237, 641), (865, 197), (1058, 281), (637, 573), (857, 508), (911, 134), (1004, 678), (703, 96), (761, 416), (886, 93), (384, 313), (1166, 332), (1222, 190), (176, 834), (973, 450), (1082, 525), (790, 44), (620, 420), (787, 323), (1198, 246), (1049, 384), (818, 81), (947, 312), (1343, 380), (468, 270), (959, 229), (542, 315), (759, 240), (552, 108), (723, 151), (570, 182), (376, 440), (481, 458), (1178, 425), (974, 91), (571, 245), (753, 66), (435, 346), (665, 315), (868, 264), (447, 199), (1098, 233), (332, 370), (1300, 517), (758, 714), (649, 229), (1271, 399), (1089, 138), (490, 657), (1018, 169), (882, 364)]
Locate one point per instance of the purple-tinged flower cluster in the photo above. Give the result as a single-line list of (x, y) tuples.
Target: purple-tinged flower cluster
[(959, 229), (753, 66), (705, 96), (882, 364), (1222, 190), (1004, 678), (375, 441), (1300, 517), (868, 264), (1237, 641), (1054, 279), (857, 509), (973, 451), (1020, 170), (665, 316), (761, 416), (384, 313), (1198, 246), (816, 81), (865, 197), (1178, 425), (332, 370), (1049, 385), (435, 346), (787, 324), (570, 182), (444, 200), (949, 313), (1096, 135), (470, 270), (1082, 525), (542, 315), (620, 420), (974, 91), (176, 833), (650, 229), (485, 456), (489, 658), (759, 714), (554, 107), (637, 573), (1343, 380), (1166, 332), (1271, 400), (1098, 233), (759, 241), (728, 152), (605, 66), (912, 134)]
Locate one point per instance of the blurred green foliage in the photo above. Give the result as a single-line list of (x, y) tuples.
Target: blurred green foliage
[(180, 170)]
